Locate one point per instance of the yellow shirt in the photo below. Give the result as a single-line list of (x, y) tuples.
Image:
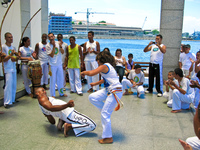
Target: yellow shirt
[(73, 57)]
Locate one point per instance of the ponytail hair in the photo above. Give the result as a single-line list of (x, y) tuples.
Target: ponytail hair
[(23, 41), (105, 57)]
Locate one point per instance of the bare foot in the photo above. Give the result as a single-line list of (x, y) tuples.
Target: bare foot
[(126, 93), (64, 95), (67, 127), (90, 90), (176, 111), (31, 95), (106, 140), (60, 124)]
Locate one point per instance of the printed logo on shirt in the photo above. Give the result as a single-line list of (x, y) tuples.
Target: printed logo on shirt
[(155, 49), (56, 50), (136, 79), (10, 51), (28, 54), (44, 49), (61, 90)]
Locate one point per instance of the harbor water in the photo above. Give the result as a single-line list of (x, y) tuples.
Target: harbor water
[(132, 46)]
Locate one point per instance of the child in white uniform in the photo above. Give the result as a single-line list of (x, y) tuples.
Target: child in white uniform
[(135, 80), (105, 99), (25, 52), (168, 93)]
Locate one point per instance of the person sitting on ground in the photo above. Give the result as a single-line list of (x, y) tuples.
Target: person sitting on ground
[(183, 94), (194, 84), (193, 143), (120, 63), (66, 113), (129, 64), (135, 80), (168, 93)]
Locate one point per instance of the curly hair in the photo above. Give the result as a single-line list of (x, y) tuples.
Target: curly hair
[(105, 57)]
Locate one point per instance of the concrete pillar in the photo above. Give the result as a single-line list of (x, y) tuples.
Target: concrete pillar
[(44, 17), (25, 16), (171, 23)]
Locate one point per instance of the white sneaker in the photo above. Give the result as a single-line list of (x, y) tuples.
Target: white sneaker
[(146, 92), (159, 95)]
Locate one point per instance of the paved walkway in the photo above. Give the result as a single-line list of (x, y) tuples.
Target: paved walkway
[(143, 124)]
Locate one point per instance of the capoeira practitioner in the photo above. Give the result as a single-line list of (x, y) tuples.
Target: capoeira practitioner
[(90, 50), (10, 70), (194, 69), (25, 53), (55, 51), (106, 99), (135, 80), (193, 143), (168, 93), (66, 113), (41, 54), (183, 94), (155, 66), (64, 46), (196, 85), (73, 64)]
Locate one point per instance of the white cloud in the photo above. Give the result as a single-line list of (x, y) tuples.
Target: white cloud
[(191, 24)]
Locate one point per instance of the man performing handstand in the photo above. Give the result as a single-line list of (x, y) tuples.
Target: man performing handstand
[(66, 113)]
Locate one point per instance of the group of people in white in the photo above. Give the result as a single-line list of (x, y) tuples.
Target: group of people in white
[(56, 56)]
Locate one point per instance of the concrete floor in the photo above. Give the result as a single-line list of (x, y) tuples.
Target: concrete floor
[(143, 124)]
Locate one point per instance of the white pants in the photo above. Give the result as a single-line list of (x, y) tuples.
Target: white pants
[(74, 79), (168, 96), (57, 77), (185, 72), (181, 101), (106, 108), (64, 77), (81, 124), (10, 88), (196, 99), (194, 142), (45, 71), (27, 81), (91, 65), (127, 84)]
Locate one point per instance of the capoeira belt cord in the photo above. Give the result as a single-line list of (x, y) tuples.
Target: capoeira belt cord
[(117, 99)]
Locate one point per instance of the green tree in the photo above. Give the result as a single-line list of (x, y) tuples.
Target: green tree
[(80, 23), (155, 32), (73, 22), (102, 21)]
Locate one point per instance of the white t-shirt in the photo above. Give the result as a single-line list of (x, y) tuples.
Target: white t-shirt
[(9, 66), (117, 63), (64, 46), (185, 60), (63, 114), (26, 52), (185, 85), (156, 56), (42, 54), (138, 78), (111, 80), (56, 60), (91, 56)]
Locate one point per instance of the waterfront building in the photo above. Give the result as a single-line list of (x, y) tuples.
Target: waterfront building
[(108, 30), (59, 23)]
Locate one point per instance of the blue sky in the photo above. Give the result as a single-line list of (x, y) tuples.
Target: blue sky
[(130, 13)]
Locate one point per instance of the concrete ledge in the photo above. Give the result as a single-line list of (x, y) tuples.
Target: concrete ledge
[(19, 93)]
